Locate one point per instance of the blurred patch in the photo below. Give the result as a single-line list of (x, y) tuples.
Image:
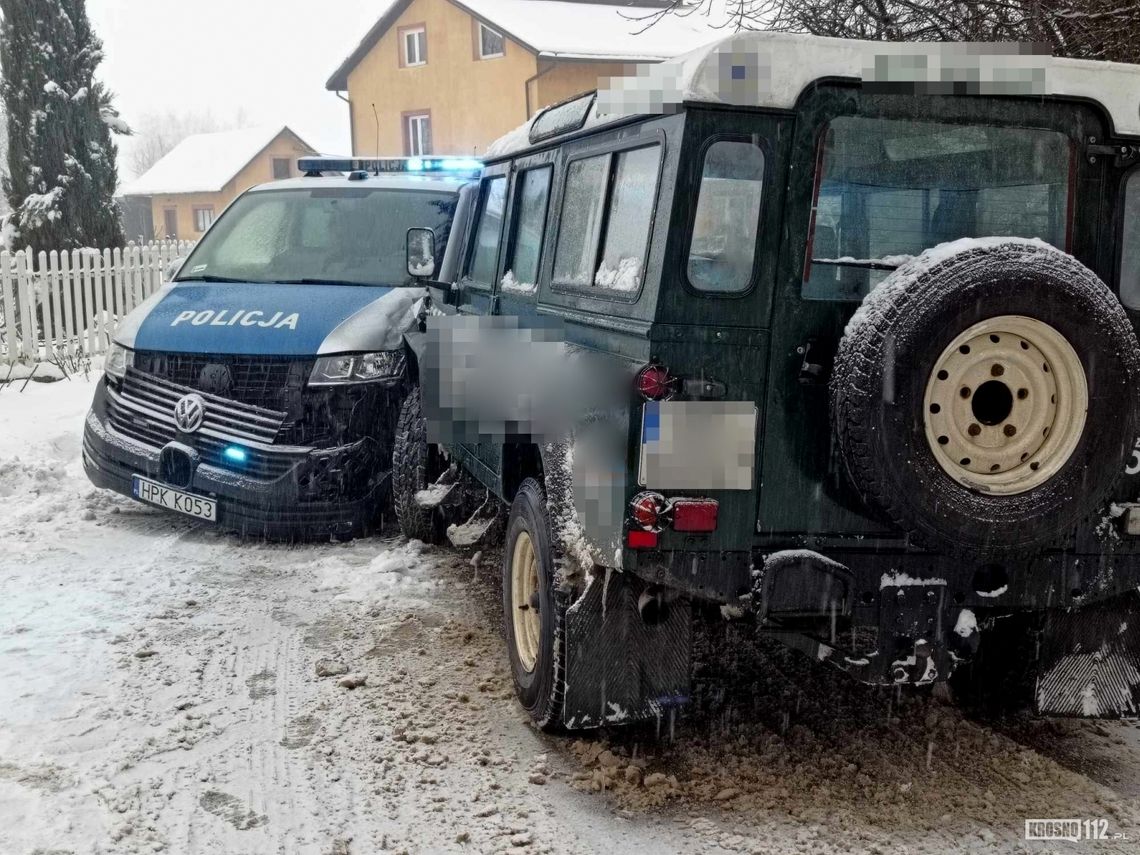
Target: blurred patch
[(698, 445)]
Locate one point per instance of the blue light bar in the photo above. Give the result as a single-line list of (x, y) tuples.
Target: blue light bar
[(378, 165), (235, 454)]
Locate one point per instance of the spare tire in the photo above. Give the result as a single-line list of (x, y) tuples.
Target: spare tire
[(983, 395)]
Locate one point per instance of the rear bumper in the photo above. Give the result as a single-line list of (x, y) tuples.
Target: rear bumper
[(279, 508), (887, 615)]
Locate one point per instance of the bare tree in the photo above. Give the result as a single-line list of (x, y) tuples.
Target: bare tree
[(157, 133), (1095, 29)]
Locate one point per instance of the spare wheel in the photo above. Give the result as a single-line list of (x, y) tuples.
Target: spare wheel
[(982, 396)]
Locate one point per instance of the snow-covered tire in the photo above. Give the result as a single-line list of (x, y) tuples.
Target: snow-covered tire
[(415, 465), (537, 650), (1066, 356)]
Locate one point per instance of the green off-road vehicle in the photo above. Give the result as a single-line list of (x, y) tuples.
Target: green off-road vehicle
[(837, 336)]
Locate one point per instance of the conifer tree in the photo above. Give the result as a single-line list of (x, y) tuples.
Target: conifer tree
[(61, 171)]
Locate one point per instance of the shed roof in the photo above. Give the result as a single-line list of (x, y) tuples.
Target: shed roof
[(205, 163)]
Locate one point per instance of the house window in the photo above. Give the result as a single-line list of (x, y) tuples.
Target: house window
[(280, 167), (203, 217), (608, 206), (490, 43), (170, 223), (417, 133), (415, 45)]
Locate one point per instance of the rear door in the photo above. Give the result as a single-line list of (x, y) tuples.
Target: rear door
[(873, 177)]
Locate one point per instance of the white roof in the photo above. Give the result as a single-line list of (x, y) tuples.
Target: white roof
[(594, 31), (203, 163), (766, 69)]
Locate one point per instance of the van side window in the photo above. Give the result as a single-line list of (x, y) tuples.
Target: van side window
[(614, 261), (529, 227), (485, 254), (1130, 260), (723, 246), (888, 189)]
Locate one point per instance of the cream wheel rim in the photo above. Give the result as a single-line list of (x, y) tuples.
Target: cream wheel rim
[(524, 601), (1005, 405)]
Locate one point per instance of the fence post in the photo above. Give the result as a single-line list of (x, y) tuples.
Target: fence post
[(88, 274), (41, 285), (67, 275), (9, 306), (57, 337), (25, 303)]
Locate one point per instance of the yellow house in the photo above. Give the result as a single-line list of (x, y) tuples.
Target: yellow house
[(197, 178), (450, 76)]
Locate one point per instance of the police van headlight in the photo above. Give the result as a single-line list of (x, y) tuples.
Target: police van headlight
[(357, 368), (118, 360)]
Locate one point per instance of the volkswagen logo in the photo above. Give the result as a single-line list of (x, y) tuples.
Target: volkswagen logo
[(189, 412)]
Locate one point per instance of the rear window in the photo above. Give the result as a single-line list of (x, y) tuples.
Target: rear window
[(1130, 260), (887, 190), (607, 211), (335, 235)]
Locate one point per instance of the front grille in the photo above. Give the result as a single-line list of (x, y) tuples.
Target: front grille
[(258, 381), (143, 409)]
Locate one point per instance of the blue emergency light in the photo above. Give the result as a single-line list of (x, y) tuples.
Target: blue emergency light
[(378, 165), (235, 454)]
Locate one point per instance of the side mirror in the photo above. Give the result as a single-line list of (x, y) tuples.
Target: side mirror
[(172, 268), (421, 252)]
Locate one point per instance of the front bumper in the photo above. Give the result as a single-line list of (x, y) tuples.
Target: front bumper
[(299, 494)]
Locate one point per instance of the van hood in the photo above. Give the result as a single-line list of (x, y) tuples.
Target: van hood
[(271, 319)]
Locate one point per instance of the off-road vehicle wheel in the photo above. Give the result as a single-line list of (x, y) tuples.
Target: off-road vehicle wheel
[(983, 398), (533, 610), (415, 466)]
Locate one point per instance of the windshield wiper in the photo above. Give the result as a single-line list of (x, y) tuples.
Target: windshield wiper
[(208, 278), (314, 281)]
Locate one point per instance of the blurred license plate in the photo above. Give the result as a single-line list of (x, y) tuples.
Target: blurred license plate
[(154, 493), (698, 445)]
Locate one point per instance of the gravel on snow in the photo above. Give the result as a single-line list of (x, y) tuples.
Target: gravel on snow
[(166, 688)]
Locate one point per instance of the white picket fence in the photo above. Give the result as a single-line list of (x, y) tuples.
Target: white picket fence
[(55, 304)]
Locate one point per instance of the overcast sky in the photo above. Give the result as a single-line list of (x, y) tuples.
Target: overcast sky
[(267, 58)]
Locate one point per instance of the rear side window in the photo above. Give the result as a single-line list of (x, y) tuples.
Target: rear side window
[(485, 254), (889, 189), (1130, 262), (723, 247), (607, 211), (529, 226)]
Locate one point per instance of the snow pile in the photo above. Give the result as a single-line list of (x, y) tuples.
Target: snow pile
[(626, 276), (510, 283), (883, 297), (403, 569)]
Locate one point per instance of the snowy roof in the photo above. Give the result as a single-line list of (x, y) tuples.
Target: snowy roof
[(558, 29), (766, 69), (204, 163)]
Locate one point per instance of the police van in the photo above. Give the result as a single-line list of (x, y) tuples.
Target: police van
[(867, 314), (258, 389)]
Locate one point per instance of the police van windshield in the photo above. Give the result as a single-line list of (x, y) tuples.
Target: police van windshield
[(319, 235)]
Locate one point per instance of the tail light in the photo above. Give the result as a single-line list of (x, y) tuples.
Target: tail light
[(651, 512), (647, 510), (654, 383)]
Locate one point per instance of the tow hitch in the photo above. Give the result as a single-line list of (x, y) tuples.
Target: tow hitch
[(910, 634)]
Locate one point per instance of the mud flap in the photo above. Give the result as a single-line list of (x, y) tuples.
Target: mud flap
[(1090, 661), (621, 667)]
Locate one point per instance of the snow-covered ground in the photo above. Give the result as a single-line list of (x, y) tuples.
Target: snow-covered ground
[(160, 691)]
